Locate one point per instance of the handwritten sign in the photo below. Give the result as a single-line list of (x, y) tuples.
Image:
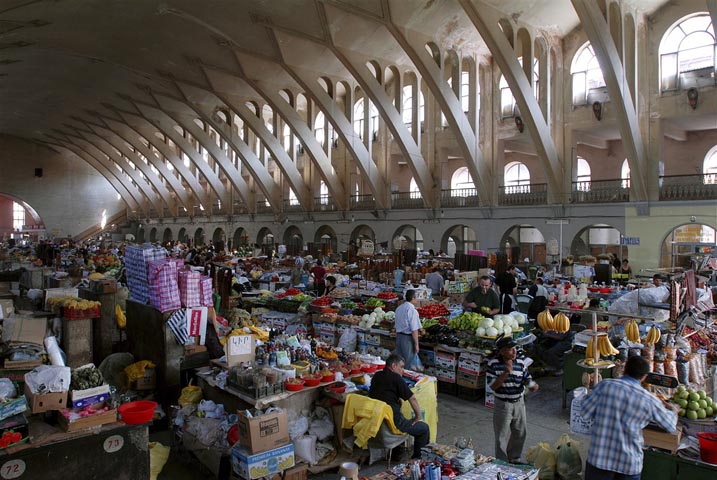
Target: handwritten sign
[(240, 344), (578, 423)]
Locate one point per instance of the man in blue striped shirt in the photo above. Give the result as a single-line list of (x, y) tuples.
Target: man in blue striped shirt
[(509, 422), (621, 408)]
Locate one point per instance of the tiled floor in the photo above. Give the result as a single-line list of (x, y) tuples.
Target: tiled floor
[(457, 417)]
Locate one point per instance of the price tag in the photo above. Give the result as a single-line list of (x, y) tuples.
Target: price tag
[(113, 443), (12, 469), (240, 344)]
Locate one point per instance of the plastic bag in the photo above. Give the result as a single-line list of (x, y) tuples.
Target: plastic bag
[(298, 427), (415, 364), (158, 456), (7, 389), (191, 394), (347, 341), (542, 456), (321, 424), (568, 461), (305, 448)]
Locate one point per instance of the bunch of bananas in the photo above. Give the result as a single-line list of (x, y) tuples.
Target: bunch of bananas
[(632, 332), (561, 323), (653, 335), (546, 320), (603, 346), (590, 350)]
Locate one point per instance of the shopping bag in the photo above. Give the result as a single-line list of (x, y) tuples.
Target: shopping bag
[(568, 461), (542, 456), (415, 364), (191, 394)]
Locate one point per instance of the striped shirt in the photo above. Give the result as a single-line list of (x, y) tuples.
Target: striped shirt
[(512, 388), (621, 408)]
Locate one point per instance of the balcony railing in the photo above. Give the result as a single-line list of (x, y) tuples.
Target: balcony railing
[(601, 191), (292, 206), (324, 203), (530, 194), (362, 202), (406, 200), (460, 197), (689, 187), (262, 207)]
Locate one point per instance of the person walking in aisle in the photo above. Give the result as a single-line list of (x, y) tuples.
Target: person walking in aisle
[(616, 435), (408, 323), (434, 280), (511, 377)]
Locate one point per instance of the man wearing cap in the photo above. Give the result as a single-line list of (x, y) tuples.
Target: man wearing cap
[(510, 377), (616, 434)]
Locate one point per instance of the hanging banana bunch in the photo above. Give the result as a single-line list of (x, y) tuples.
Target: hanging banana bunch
[(561, 323), (590, 350), (546, 320), (653, 335), (605, 347), (632, 332)]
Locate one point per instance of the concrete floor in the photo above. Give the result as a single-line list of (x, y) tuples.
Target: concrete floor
[(457, 417)]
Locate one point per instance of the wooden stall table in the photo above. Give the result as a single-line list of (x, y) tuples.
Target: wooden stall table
[(116, 451)]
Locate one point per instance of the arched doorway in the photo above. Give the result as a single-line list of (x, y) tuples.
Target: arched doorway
[(140, 235), (21, 220), (326, 238), (153, 235), (199, 237), (182, 235), (407, 237), (294, 240), (362, 232), (265, 240), (167, 235), (596, 240), (459, 239), (687, 243), (524, 241), (219, 235), (240, 240)]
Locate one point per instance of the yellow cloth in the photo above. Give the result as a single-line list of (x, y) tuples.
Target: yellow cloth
[(426, 393), (136, 370), (365, 415)]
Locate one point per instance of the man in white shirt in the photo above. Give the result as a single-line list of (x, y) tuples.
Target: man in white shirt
[(408, 324)]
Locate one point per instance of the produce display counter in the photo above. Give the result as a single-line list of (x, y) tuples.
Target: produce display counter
[(116, 451), (660, 465)]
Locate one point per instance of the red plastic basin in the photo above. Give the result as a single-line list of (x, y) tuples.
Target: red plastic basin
[(135, 413)]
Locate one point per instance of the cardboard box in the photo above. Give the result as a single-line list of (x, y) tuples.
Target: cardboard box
[(656, 437), (299, 472), (259, 434), (147, 382), (103, 285), (471, 363), (38, 403), (83, 423), (252, 466), (90, 396), (470, 380)]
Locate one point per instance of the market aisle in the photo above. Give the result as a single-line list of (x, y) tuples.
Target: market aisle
[(457, 417)]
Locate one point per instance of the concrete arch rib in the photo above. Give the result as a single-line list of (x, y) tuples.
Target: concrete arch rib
[(110, 149), (146, 129), (123, 134), (160, 119), (504, 55), (598, 32), (184, 115), (284, 109), (128, 193)]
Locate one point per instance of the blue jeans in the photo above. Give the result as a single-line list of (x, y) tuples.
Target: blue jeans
[(420, 432), (594, 473)]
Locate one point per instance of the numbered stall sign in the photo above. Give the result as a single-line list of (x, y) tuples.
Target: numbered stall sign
[(113, 443), (12, 469)]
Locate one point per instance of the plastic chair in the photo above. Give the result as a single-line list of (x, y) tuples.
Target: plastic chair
[(382, 445), (522, 301)]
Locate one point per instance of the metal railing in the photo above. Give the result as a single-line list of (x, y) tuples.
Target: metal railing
[(406, 200), (362, 202), (292, 206), (262, 207), (530, 194), (324, 203), (688, 187), (460, 197), (601, 191)]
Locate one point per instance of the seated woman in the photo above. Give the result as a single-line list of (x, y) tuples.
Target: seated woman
[(330, 282)]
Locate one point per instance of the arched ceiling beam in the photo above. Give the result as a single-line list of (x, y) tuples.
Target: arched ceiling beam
[(111, 150), (487, 25), (164, 123), (128, 193), (712, 8), (204, 103), (109, 160), (185, 115), (123, 143), (144, 128), (598, 32)]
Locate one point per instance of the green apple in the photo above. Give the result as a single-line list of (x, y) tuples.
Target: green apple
[(680, 388), (694, 396), (702, 403), (701, 413), (709, 401), (683, 412), (682, 403), (693, 406), (710, 411), (691, 414), (702, 394), (684, 394)]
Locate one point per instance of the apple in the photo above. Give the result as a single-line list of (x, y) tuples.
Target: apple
[(702, 403), (709, 411), (691, 414), (684, 394), (693, 406), (702, 394), (701, 413), (680, 388), (683, 412), (682, 403), (694, 396)]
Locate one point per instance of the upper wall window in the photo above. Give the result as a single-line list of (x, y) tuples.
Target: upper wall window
[(709, 168), (359, 119), (583, 175), (687, 54), (414, 191), (18, 216), (625, 174), (323, 193), (407, 109), (508, 108), (588, 81), (516, 173), (460, 181)]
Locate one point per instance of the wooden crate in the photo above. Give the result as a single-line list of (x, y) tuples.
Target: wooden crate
[(658, 438)]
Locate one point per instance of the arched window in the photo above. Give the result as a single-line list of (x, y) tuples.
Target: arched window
[(507, 100), (414, 192), (18, 216), (407, 108), (323, 193), (359, 118), (586, 73), (319, 123), (687, 53), (516, 174), (583, 175), (625, 174), (293, 201), (709, 168), (465, 91), (460, 181)]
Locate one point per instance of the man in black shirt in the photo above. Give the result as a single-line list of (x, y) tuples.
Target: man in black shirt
[(388, 386)]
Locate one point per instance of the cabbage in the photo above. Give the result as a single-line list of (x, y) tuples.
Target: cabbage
[(508, 331), (480, 331), (365, 317), (498, 323), (486, 323), (521, 320), (378, 311), (491, 332)]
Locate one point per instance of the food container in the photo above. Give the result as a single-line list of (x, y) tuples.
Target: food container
[(380, 364), (368, 367), (294, 384), (328, 378), (338, 387), (311, 380), (136, 413)]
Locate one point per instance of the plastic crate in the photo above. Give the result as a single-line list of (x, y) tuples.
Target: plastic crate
[(77, 314)]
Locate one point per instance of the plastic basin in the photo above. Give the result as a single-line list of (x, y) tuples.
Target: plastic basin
[(295, 385), (135, 413), (311, 380), (708, 447)]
